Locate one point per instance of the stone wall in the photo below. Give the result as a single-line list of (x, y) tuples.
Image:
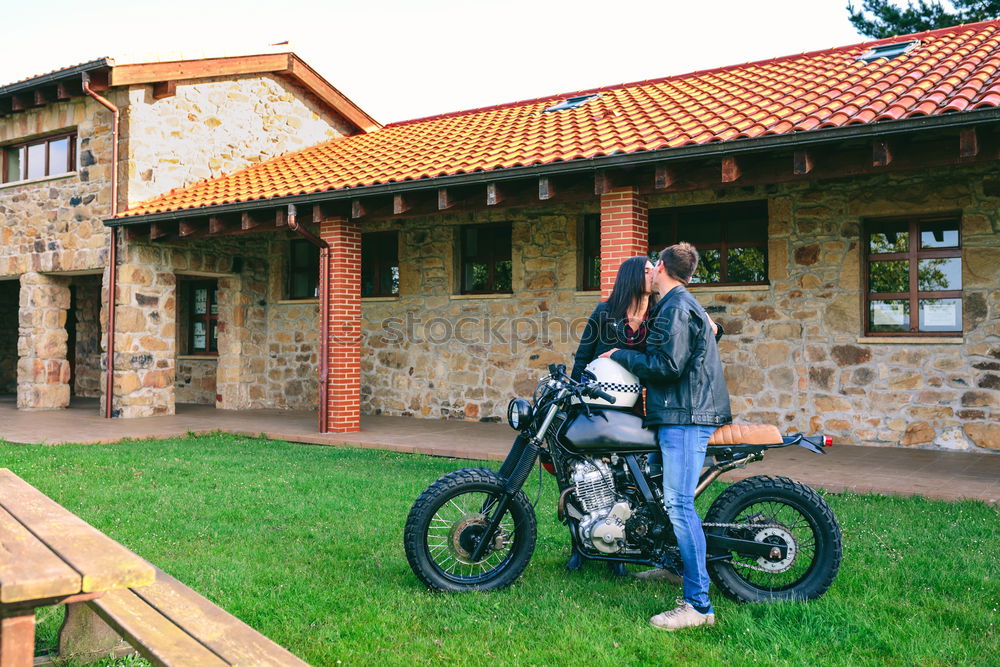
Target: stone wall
[(432, 354), (9, 291), (795, 352), (215, 126), (88, 369), (195, 380), (56, 224)]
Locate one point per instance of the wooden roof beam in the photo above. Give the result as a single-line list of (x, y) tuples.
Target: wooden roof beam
[(968, 143), (802, 163), (731, 170)]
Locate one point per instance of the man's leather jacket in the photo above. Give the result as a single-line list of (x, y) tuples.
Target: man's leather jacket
[(680, 368)]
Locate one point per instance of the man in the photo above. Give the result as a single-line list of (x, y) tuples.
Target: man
[(686, 400)]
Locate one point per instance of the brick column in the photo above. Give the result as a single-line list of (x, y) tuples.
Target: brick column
[(624, 232), (42, 367), (344, 332)]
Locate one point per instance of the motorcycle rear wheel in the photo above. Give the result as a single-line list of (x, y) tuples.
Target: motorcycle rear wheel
[(789, 514), (448, 520)]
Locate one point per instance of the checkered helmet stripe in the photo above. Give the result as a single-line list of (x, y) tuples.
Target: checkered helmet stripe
[(623, 388)]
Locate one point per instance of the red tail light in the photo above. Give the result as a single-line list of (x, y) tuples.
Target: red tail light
[(827, 441)]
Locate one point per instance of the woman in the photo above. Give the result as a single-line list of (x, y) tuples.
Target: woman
[(620, 322)]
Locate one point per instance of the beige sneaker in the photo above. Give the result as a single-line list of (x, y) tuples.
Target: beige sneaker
[(659, 574), (682, 616)]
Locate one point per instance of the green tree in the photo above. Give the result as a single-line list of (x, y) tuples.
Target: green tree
[(885, 18)]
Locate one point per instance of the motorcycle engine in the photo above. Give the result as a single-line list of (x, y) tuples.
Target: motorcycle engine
[(603, 524)]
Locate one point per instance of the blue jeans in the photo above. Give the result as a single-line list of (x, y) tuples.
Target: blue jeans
[(683, 451)]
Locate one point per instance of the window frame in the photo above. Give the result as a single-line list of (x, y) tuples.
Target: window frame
[(590, 249), (309, 268), (209, 318), (725, 213), (492, 257), (46, 141), (912, 256), (386, 251)]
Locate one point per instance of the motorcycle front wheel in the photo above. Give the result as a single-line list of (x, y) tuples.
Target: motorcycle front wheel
[(782, 512), (449, 520)]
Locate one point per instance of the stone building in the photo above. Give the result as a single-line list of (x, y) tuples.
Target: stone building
[(845, 203), (79, 144)]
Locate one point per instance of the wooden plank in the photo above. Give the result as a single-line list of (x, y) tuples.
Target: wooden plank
[(223, 633), (29, 570), (179, 70), (103, 563), (157, 638), (17, 639)]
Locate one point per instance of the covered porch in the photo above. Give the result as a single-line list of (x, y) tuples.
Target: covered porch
[(888, 470)]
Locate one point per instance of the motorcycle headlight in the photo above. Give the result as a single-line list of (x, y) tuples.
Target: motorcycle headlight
[(519, 414)]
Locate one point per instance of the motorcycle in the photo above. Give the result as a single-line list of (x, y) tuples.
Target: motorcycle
[(768, 538)]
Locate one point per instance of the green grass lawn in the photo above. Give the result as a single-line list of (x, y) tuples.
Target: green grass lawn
[(304, 543)]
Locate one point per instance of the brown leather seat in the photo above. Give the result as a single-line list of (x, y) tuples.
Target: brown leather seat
[(746, 434)]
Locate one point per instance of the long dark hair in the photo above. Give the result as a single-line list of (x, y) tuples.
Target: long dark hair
[(630, 286)]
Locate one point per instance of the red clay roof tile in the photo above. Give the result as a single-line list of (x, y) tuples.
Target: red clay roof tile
[(952, 69)]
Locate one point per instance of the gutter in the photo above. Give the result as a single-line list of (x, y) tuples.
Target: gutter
[(324, 313), (113, 252), (661, 156)]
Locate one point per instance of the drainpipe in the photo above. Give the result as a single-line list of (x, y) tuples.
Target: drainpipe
[(324, 312), (113, 252)]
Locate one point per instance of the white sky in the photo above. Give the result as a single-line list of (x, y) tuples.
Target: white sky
[(401, 59)]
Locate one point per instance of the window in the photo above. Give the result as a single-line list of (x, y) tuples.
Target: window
[(303, 270), (39, 158), (571, 103), (202, 316), (380, 264), (913, 265), (888, 51), (590, 259), (731, 240), (485, 259)]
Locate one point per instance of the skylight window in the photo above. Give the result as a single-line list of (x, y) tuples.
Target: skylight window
[(888, 51), (571, 102)]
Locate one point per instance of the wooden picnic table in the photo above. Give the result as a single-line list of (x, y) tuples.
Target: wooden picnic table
[(50, 556)]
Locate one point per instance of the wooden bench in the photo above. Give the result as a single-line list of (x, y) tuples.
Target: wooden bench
[(50, 556), (168, 624)]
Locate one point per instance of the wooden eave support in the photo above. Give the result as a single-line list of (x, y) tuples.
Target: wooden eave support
[(357, 209), (18, 103), (603, 182), (802, 163), (163, 89), (494, 195), (249, 222), (444, 200), (881, 153), (44, 96), (281, 217), (162, 230), (190, 228), (216, 225), (400, 204), (546, 188), (67, 89), (730, 169), (968, 143), (664, 177)]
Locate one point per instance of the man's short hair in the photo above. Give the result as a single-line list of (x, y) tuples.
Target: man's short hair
[(680, 261)]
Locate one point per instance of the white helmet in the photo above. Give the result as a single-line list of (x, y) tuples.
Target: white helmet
[(613, 378)]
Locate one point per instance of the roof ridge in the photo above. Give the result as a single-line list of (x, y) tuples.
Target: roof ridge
[(964, 27)]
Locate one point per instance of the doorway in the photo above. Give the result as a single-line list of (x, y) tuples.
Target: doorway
[(10, 291)]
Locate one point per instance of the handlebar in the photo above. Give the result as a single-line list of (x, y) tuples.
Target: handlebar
[(558, 371)]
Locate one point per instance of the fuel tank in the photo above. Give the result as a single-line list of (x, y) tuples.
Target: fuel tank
[(607, 430)]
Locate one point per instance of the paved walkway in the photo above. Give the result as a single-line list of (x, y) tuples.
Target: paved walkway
[(889, 470)]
